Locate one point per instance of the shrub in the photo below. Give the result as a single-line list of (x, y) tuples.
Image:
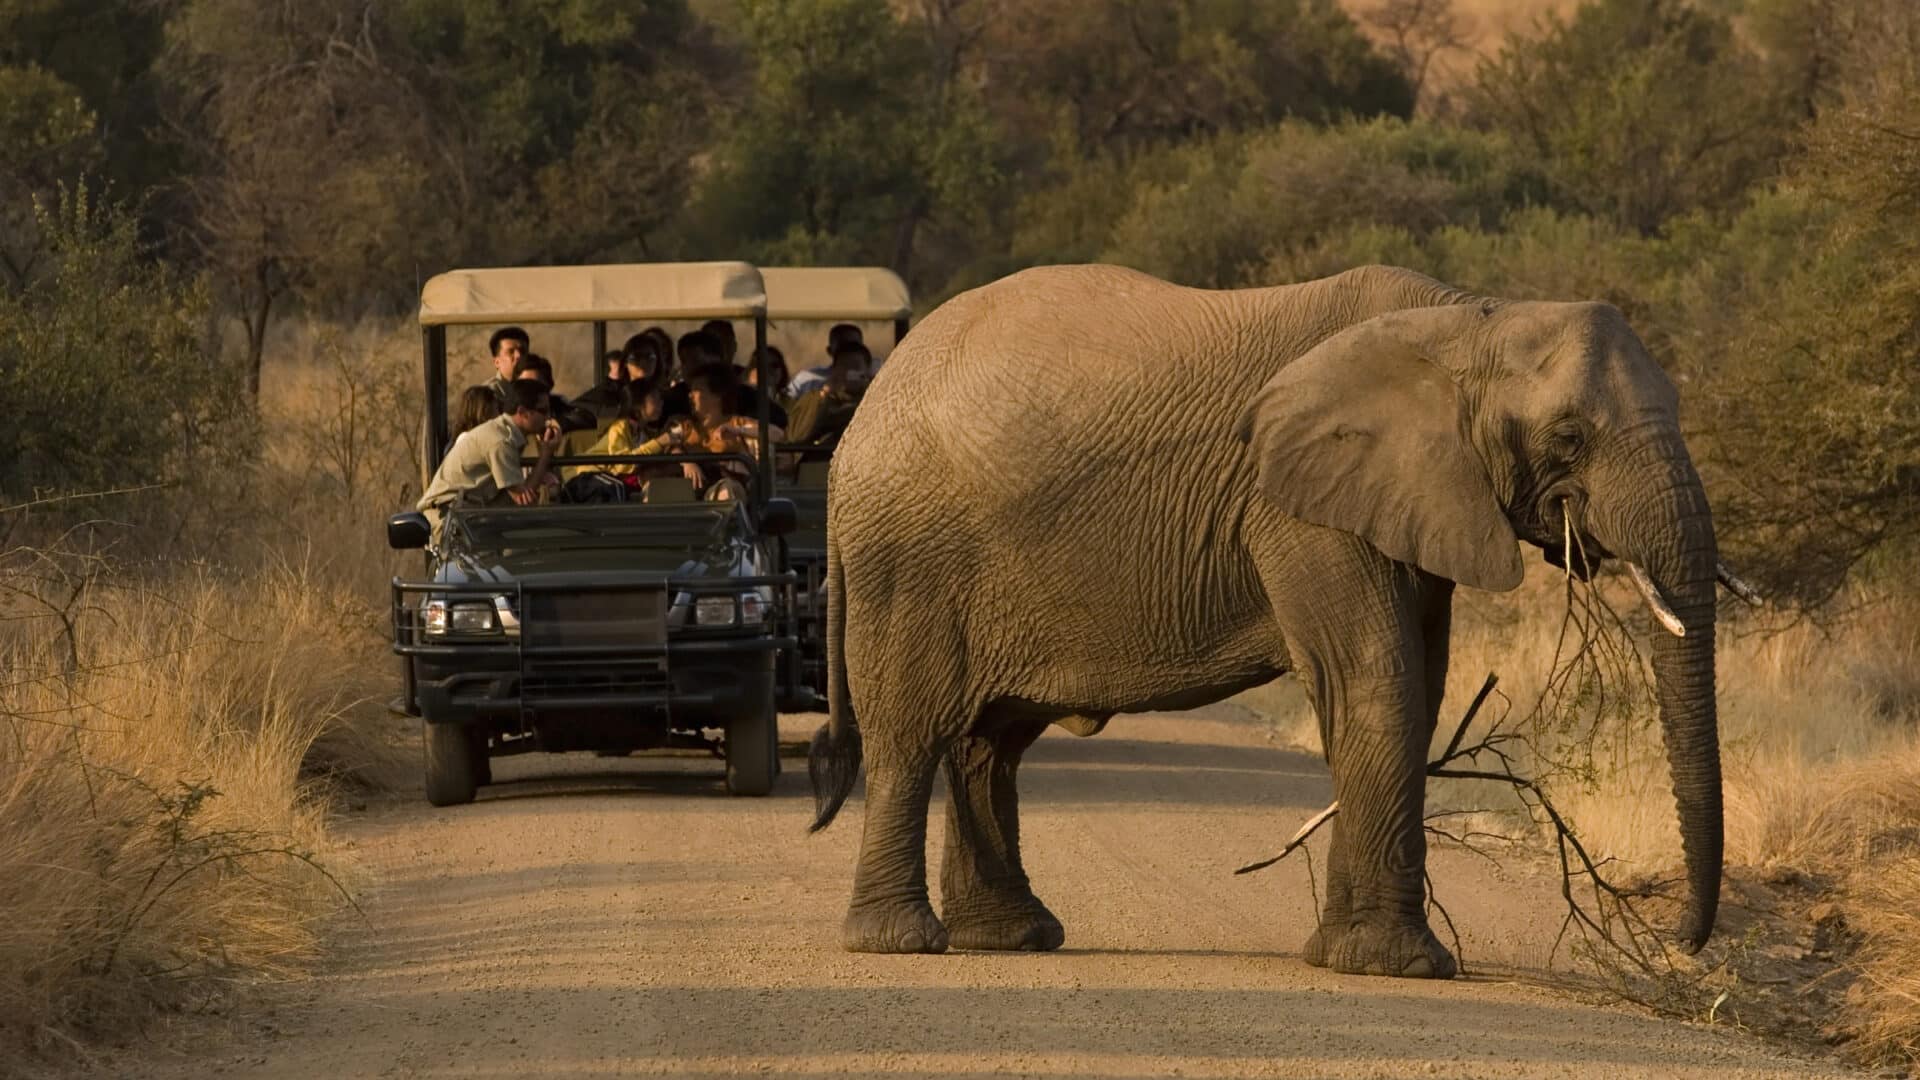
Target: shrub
[(1639, 110), (1230, 208), (105, 365)]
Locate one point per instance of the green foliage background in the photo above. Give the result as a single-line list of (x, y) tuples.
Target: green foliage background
[(1741, 176)]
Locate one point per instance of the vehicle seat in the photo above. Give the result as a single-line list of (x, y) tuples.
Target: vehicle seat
[(812, 474), (671, 489), (572, 444)]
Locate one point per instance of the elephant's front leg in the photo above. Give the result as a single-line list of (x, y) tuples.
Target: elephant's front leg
[(986, 901), (1375, 921)]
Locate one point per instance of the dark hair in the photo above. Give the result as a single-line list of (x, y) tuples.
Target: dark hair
[(718, 379), (844, 333), (662, 339), (777, 367), (533, 362), (478, 404), (852, 350), (699, 341), (613, 356), (508, 333), (645, 349), (719, 328), (634, 398), (525, 394)]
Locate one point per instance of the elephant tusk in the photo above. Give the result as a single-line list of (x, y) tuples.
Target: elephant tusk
[(1738, 586), (1652, 593), (1566, 539)]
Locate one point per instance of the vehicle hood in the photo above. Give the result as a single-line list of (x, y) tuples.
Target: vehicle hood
[(593, 543)]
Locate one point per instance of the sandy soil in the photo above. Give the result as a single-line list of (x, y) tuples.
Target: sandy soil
[(595, 917)]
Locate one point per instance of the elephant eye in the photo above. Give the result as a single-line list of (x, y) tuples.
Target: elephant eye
[(1567, 442)]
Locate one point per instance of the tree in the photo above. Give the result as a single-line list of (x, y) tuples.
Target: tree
[(859, 130), (568, 131), (313, 154), (104, 362), (47, 135), (1416, 32), (1639, 109), (102, 53), (342, 150), (1123, 73), (1222, 214), (1813, 403)]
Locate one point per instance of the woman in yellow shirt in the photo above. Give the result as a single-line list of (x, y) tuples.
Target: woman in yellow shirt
[(641, 422), (711, 429)]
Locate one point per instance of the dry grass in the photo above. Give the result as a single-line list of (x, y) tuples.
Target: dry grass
[(1820, 732), (164, 841), (174, 719)]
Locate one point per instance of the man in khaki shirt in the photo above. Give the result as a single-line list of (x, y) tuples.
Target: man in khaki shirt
[(484, 467)]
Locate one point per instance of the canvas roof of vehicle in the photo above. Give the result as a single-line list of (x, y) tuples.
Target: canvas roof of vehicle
[(546, 294), (835, 292)]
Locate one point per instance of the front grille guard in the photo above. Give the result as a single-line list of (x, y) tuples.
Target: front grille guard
[(534, 661)]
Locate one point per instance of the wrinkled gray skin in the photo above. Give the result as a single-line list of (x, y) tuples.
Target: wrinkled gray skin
[(1082, 491)]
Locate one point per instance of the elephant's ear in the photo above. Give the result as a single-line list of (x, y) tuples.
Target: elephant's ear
[(1364, 435)]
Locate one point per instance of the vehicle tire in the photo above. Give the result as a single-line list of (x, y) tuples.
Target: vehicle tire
[(753, 751), (451, 775)]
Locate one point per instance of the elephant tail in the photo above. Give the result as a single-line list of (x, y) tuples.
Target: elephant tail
[(833, 762)]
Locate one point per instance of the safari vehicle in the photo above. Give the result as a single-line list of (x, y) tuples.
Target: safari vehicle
[(607, 626), (823, 294)]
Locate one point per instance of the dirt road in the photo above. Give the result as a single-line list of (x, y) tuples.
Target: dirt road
[(624, 917)]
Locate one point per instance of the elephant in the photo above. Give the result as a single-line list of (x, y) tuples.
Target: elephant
[(1081, 491)]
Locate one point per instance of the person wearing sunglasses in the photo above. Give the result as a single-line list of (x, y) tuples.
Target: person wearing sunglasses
[(484, 466)]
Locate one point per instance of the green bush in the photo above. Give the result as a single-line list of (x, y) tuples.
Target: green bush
[(1236, 208), (1639, 110), (105, 364)]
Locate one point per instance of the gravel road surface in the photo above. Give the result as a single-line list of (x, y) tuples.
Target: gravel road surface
[(596, 917)]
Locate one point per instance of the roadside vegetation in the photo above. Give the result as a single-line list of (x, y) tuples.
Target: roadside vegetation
[(211, 230)]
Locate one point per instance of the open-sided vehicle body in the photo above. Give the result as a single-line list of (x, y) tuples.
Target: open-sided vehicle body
[(823, 294), (607, 626)]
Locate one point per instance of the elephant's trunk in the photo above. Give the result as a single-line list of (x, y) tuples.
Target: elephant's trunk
[(1671, 536)]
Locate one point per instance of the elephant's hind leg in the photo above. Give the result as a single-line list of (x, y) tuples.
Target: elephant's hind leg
[(985, 897), (890, 912)]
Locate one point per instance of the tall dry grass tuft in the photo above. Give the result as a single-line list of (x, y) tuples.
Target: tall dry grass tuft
[(175, 713), (163, 841), (1886, 999)]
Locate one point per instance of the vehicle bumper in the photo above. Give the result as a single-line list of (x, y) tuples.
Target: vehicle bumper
[(682, 685)]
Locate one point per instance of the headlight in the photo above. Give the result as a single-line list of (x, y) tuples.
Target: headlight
[(471, 618), (462, 617), (713, 611)]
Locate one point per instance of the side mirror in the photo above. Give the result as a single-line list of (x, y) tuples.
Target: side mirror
[(408, 531), (778, 517)]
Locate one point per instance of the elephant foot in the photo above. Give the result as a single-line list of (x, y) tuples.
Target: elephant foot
[(893, 928), (1019, 924), (1392, 949), (1314, 952)]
